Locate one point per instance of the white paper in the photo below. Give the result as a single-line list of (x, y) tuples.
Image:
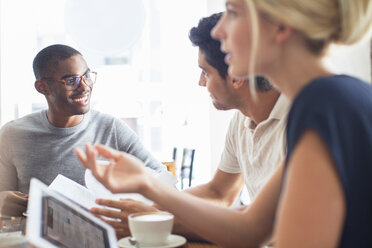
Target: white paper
[(73, 191), (100, 191), (86, 196)]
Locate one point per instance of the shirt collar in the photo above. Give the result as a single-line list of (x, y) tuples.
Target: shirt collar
[(280, 109), (278, 112)]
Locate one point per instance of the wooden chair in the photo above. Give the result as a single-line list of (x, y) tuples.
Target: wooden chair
[(187, 165)]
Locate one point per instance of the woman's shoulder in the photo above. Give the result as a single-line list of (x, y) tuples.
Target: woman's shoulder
[(335, 85), (333, 91)]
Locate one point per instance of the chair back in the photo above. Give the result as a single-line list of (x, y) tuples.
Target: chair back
[(174, 154), (187, 166)]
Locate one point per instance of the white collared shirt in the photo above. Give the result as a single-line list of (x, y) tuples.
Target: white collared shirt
[(256, 153)]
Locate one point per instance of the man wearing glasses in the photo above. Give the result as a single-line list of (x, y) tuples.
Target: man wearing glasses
[(41, 144)]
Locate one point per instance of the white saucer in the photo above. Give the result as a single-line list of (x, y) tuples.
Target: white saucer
[(173, 241)]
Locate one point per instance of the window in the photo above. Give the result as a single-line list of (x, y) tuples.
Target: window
[(152, 86)]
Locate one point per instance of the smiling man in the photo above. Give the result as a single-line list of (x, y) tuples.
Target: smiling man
[(41, 144)]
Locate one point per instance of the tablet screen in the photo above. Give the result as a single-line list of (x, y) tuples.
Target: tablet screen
[(65, 227)]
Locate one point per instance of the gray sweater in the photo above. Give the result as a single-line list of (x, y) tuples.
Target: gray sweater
[(32, 147)]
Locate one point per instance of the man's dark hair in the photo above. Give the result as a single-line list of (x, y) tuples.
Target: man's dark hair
[(200, 36), (263, 84), (49, 57)]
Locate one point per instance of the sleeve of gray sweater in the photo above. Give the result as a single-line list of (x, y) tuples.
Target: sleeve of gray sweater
[(8, 173), (128, 141)]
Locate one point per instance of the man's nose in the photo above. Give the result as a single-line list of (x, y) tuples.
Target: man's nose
[(83, 84), (202, 80)]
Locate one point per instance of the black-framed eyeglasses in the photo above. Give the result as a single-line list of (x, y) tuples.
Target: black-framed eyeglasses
[(74, 82)]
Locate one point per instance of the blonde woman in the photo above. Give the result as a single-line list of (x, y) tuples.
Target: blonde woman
[(325, 197)]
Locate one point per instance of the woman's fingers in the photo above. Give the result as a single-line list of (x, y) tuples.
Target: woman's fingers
[(99, 171), (82, 157), (107, 212), (108, 152), (123, 174), (110, 203), (91, 157)]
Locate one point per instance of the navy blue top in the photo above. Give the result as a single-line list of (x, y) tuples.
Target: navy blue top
[(339, 109)]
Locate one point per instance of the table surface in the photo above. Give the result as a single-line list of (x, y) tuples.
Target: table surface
[(199, 245)]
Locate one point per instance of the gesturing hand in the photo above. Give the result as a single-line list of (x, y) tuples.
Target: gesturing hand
[(124, 174)]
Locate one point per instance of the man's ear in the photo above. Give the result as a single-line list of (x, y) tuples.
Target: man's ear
[(42, 87), (283, 33), (238, 82)]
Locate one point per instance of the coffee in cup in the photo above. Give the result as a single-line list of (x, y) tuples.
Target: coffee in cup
[(151, 228)]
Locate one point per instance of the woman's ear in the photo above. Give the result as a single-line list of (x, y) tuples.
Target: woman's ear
[(283, 33), (42, 87)]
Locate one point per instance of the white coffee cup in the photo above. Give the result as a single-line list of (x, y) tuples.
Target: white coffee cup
[(151, 228)]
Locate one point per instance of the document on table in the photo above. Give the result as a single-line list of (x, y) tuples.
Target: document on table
[(86, 196), (74, 191)]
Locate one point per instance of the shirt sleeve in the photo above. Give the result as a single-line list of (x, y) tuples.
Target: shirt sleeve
[(229, 162), (129, 142), (8, 173)]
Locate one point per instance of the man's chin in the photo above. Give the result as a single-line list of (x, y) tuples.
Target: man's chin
[(219, 106), (82, 111)]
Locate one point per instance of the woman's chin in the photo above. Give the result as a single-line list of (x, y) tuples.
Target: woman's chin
[(236, 72)]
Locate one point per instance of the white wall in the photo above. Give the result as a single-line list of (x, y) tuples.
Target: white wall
[(353, 60), (214, 6)]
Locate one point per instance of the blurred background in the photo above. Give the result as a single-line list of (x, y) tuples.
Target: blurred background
[(147, 68)]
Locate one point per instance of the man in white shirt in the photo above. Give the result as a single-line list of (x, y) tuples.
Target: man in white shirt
[(255, 142)]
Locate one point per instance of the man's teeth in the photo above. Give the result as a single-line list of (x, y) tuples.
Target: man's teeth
[(81, 99)]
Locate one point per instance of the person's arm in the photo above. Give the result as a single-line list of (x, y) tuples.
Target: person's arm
[(312, 209), (222, 189), (13, 203), (218, 224)]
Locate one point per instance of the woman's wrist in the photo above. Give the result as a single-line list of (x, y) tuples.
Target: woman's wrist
[(147, 185)]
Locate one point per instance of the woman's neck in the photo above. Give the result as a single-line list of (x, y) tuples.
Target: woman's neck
[(295, 69)]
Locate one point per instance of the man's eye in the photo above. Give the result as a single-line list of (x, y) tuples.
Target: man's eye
[(205, 74), (72, 80)]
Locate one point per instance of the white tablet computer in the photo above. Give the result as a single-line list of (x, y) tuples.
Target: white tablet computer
[(55, 221)]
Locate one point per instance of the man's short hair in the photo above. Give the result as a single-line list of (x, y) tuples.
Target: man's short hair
[(200, 36), (49, 57), (263, 84)]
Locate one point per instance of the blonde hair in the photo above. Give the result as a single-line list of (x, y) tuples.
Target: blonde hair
[(321, 21)]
